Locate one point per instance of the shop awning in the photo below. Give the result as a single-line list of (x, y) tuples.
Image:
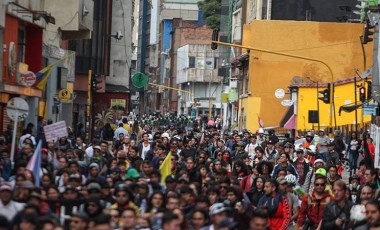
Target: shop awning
[(287, 116), (291, 123), (350, 107)]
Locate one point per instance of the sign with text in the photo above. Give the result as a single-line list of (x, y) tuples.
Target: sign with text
[(55, 131)]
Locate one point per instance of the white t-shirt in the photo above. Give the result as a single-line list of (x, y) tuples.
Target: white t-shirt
[(145, 149)]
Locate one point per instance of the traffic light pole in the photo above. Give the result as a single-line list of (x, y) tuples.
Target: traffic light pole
[(175, 89), (332, 107)]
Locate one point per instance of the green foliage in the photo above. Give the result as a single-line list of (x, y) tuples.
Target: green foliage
[(211, 12), (102, 118)]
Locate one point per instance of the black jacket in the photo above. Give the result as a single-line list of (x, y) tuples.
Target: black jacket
[(332, 211)]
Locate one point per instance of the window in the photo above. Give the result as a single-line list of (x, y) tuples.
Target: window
[(264, 10), (191, 62), (21, 45)]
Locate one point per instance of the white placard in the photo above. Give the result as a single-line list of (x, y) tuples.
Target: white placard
[(376, 139), (55, 131)]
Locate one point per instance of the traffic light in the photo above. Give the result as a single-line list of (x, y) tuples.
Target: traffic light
[(325, 94), (95, 83), (368, 32), (369, 90), (215, 38), (362, 95)]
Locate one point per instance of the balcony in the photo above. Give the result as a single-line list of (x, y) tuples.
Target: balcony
[(74, 18), (198, 75)]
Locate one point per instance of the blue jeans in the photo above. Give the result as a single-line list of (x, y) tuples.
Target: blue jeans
[(353, 158)]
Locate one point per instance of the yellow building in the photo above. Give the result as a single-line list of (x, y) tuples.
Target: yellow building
[(344, 95), (337, 44)]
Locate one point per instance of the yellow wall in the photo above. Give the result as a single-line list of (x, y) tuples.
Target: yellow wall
[(335, 43), (344, 94)]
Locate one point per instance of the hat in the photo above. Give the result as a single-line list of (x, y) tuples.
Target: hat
[(321, 172), (217, 208), (68, 188), (261, 131), (319, 160), (6, 187), (81, 215), (227, 223), (321, 130), (75, 177), (97, 147), (93, 186), (186, 190), (27, 184), (115, 169), (240, 143), (36, 195), (165, 135), (183, 178), (132, 174), (300, 150), (270, 142), (170, 179), (122, 155), (281, 180), (93, 165)]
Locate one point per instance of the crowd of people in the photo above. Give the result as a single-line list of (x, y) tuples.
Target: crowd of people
[(217, 180)]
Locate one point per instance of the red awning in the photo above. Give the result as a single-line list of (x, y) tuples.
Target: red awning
[(291, 123)]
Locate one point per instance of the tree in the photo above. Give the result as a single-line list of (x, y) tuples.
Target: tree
[(211, 12)]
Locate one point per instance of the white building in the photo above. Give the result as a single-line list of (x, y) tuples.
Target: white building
[(197, 73)]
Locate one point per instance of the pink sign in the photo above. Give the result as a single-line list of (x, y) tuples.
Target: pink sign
[(27, 79)]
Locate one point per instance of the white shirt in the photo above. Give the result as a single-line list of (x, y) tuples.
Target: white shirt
[(11, 209), (144, 150)]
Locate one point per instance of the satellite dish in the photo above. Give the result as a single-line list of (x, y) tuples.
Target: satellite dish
[(139, 80), (17, 109), (297, 80), (279, 93), (287, 102)]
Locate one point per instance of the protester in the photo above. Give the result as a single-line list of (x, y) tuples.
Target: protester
[(164, 172)]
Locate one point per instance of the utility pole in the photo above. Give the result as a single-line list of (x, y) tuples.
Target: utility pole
[(89, 104)]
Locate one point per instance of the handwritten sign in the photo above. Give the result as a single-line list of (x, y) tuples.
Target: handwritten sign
[(55, 131)]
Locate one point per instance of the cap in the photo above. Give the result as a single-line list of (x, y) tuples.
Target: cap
[(132, 174), (240, 143), (170, 179), (319, 160), (321, 130), (93, 186), (122, 156), (300, 150), (261, 131), (115, 169), (75, 177), (281, 180), (27, 184), (81, 215), (217, 208), (227, 223), (321, 171), (270, 142), (6, 187), (97, 147), (36, 195), (93, 165)]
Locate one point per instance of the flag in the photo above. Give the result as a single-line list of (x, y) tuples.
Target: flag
[(34, 164), (166, 167), (261, 123), (42, 76)]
